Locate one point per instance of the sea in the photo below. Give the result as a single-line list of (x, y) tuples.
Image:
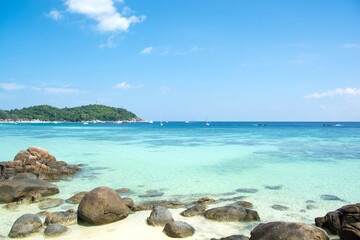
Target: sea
[(308, 168)]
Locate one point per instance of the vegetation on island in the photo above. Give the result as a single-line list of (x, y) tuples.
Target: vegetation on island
[(75, 114)]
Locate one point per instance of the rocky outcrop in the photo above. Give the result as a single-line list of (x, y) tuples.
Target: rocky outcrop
[(19, 189), (288, 231), (178, 229), (232, 212), (37, 161), (102, 205), (233, 237), (55, 230), (25, 226), (350, 231), (65, 218), (347, 214), (76, 199), (193, 211), (159, 216)]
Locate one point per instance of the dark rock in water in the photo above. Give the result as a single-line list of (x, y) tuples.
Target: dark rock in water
[(178, 229), (129, 202), (288, 231), (151, 195), (66, 218), (330, 197), (350, 231), (232, 212), (245, 204), (102, 205), (233, 237), (76, 199), (193, 211), (334, 220), (278, 187), (55, 230), (310, 201), (25, 226), (247, 190), (50, 203), (279, 207), (310, 207), (231, 199), (15, 190), (159, 216), (122, 190), (204, 200), (152, 204)]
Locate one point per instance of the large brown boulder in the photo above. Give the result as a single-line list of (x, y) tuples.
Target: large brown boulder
[(102, 205), (334, 220), (288, 231), (232, 212), (15, 190), (350, 231)]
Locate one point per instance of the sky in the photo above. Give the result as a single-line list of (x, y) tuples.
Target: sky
[(230, 60)]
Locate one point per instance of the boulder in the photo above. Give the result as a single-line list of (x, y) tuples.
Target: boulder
[(333, 221), (22, 155), (232, 212), (159, 216), (329, 197), (55, 230), (279, 207), (102, 205), (25, 226), (123, 190), (65, 218), (233, 237), (245, 204), (39, 152), (76, 199), (204, 200), (15, 190), (129, 202), (288, 231), (193, 211), (178, 229), (350, 231), (50, 203)]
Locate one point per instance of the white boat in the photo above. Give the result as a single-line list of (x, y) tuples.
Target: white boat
[(151, 121), (186, 121), (207, 123), (85, 123), (161, 123)]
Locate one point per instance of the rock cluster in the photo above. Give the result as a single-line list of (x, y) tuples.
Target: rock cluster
[(232, 212), (38, 161)]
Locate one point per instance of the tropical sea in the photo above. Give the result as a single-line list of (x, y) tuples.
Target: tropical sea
[(293, 164)]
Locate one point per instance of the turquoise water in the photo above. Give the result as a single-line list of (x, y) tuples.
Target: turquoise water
[(188, 161)]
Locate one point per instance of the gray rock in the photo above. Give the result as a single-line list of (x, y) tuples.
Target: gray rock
[(310, 207), (151, 195), (233, 237), (310, 201), (193, 211), (232, 212), (76, 199), (178, 229), (55, 230), (288, 231), (66, 218), (277, 187), (159, 216), (129, 202), (50, 203), (279, 207), (247, 190), (330, 197), (25, 226)]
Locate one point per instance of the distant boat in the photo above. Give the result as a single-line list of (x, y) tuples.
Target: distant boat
[(186, 121), (161, 123), (85, 123), (207, 123), (151, 121)]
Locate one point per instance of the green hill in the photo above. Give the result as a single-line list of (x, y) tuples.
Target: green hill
[(75, 114)]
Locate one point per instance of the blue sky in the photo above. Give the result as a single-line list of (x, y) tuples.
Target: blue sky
[(185, 59)]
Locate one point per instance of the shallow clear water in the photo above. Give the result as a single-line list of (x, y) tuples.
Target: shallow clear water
[(188, 161)]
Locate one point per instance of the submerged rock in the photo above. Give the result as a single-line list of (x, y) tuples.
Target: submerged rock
[(178, 229), (288, 231), (152, 204), (247, 190), (50, 203), (159, 216), (102, 205), (66, 218), (277, 187), (245, 204), (204, 200), (55, 230), (76, 199), (330, 197), (25, 226), (123, 190), (151, 195), (232, 212), (233, 237), (231, 199), (193, 211), (279, 207)]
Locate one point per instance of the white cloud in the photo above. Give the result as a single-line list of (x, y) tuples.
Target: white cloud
[(125, 85), (55, 14), (336, 92), (105, 13), (190, 51), (147, 50), (11, 86), (350, 45), (61, 90), (164, 90)]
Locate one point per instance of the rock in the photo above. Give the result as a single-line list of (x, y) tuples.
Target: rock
[(123, 190), (330, 197), (102, 205), (151, 195), (247, 190), (278, 187), (55, 230), (193, 211), (11, 206), (232, 212), (22, 155), (50, 203), (310, 207), (231, 199), (288, 231), (233, 237), (279, 207), (66, 218), (178, 229), (245, 204), (39, 152), (12, 190), (350, 231), (333, 221), (310, 201), (76, 199), (129, 202), (25, 226), (152, 204), (204, 200), (24, 175), (159, 217)]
